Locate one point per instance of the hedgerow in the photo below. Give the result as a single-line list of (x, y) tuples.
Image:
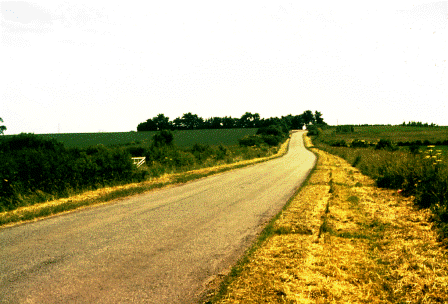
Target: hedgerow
[(34, 169), (272, 135)]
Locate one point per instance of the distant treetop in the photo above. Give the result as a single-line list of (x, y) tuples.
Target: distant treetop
[(2, 128), (190, 121), (418, 124)]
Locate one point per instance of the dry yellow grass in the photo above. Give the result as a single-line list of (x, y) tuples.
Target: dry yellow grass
[(90, 198), (342, 240)]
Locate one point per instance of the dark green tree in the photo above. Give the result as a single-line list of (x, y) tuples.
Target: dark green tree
[(214, 123), (308, 117), (178, 124), (163, 138), (228, 122), (287, 121), (249, 120), (297, 122), (318, 118), (148, 125), (2, 128), (192, 121), (162, 122)]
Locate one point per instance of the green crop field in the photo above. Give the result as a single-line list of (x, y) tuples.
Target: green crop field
[(395, 134), (183, 138)]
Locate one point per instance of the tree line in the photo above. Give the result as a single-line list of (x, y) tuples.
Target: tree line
[(191, 121), (418, 124)]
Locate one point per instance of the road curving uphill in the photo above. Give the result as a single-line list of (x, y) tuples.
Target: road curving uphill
[(163, 246)]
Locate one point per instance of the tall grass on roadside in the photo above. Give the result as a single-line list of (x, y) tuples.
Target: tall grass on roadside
[(427, 180), (422, 175)]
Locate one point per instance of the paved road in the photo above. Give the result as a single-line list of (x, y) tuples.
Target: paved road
[(158, 247)]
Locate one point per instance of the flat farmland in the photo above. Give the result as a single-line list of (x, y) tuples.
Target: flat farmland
[(182, 138), (395, 134)]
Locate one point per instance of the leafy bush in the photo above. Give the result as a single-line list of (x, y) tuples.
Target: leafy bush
[(163, 138), (271, 140), (34, 169), (250, 140), (136, 151), (271, 135), (274, 130), (339, 143), (221, 152), (314, 130), (178, 160), (359, 144), (201, 152), (414, 149), (427, 179), (259, 140), (385, 144)]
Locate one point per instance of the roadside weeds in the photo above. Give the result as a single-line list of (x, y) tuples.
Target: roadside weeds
[(343, 240)]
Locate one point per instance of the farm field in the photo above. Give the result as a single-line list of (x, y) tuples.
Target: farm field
[(183, 138), (395, 134)]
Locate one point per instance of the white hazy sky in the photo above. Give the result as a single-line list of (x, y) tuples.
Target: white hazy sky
[(89, 66)]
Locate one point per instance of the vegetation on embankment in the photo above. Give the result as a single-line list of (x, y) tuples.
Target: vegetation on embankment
[(418, 171), (167, 164), (343, 240)]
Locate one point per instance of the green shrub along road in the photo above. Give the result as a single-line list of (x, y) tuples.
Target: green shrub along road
[(34, 169)]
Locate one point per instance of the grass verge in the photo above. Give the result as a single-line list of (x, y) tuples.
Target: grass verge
[(343, 240), (108, 194)]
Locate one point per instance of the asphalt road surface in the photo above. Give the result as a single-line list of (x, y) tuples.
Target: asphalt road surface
[(163, 246)]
